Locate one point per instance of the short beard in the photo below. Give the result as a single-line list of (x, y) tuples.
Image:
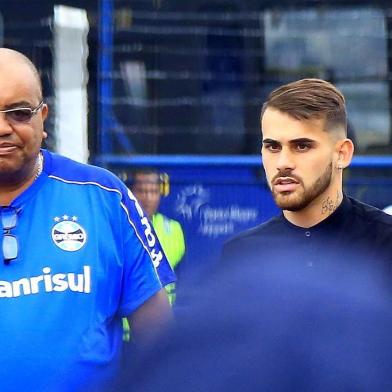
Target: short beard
[(291, 202), (13, 174)]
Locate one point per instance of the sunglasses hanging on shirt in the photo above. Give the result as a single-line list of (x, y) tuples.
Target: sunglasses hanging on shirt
[(9, 220)]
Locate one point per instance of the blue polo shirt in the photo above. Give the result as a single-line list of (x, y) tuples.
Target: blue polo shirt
[(87, 257)]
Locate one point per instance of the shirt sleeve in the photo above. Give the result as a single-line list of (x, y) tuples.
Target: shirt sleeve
[(140, 278), (146, 269)]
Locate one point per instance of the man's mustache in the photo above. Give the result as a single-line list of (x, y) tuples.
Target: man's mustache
[(286, 173)]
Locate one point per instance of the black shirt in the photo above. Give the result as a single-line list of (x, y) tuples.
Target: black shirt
[(354, 235), (260, 323)]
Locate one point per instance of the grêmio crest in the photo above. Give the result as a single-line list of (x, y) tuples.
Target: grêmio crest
[(68, 234)]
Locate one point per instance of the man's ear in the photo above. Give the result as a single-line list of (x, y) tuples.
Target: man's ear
[(44, 111), (345, 151)]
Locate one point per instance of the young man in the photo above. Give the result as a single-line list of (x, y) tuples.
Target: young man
[(146, 186), (298, 303), (305, 150), (78, 254)]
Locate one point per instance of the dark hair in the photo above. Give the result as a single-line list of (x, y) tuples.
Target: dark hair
[(140, 171), (307, 99)]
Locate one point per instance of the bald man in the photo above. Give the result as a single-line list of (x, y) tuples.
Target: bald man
[(78, 255)]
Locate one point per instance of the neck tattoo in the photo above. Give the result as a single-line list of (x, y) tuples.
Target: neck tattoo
[(329, 205), (40, 165)]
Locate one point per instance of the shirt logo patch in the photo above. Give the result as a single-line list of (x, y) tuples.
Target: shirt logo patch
[(67, 234)]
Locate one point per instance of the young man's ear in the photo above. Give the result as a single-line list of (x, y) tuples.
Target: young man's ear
[(345, 152)]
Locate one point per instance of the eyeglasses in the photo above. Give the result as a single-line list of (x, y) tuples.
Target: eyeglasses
[(21, 115), (9, 219)]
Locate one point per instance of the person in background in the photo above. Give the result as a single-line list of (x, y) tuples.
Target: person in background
[(78, 254), (148, 185)]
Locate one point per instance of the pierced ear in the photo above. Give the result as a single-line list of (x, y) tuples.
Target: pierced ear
[(345, 153)]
